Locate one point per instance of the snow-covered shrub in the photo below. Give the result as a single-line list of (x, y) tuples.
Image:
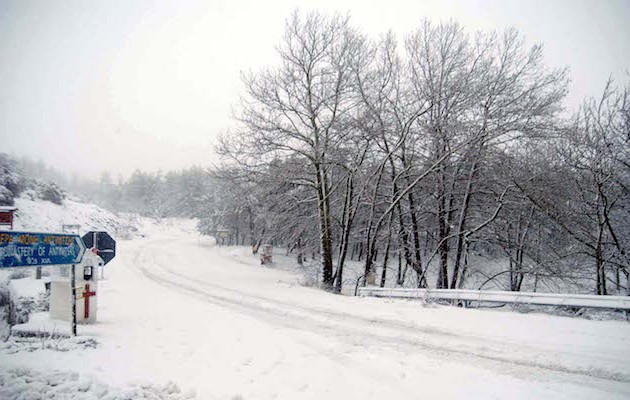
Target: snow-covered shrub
[(206, 226), (20, 309), (43, 301), (6, 197), (126, 232), (51, 192), (30, 194), (19, 273), (11, 180), (26, 296), (4, 295), (35, 341), (5, 329), (19, 384)]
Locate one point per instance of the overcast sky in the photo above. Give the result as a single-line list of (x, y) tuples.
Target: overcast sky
[(118, 85)]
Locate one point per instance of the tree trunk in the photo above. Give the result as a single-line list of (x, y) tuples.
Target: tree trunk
[(399, 278), (370, 241), (252, 235), (443, 228), (348, 217), (462, 278), (617, 280), (463, 215), (599, 263), (442, 282), (300, 256), (417, 261), (324, 228), (387, 247)]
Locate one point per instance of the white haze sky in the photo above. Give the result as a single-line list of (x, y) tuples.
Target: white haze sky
[(116, 85)]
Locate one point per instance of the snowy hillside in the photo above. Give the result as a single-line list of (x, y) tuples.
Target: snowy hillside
[(39, 215)]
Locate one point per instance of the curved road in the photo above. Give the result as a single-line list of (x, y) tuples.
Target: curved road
[(387, 345)]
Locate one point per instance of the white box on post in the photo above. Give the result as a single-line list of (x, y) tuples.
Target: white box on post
[(86, 290)]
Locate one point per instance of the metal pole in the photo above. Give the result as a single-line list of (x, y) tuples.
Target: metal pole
[(74, 300)]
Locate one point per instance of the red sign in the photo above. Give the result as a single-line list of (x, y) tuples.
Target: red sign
[(6, 218)]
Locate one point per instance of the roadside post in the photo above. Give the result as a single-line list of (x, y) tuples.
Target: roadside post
[(266, 255)]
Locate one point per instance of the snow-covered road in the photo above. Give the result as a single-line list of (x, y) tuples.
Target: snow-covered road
[(175, 308)]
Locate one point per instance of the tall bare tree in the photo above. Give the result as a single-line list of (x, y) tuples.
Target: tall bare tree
[(302, 106)]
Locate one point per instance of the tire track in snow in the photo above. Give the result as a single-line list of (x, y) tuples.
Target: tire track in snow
[(340, 326), (279, 319)]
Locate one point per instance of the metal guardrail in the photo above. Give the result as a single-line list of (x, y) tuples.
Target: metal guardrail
[(547, 299)]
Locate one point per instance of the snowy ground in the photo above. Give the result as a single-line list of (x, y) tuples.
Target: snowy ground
[(176, 312)]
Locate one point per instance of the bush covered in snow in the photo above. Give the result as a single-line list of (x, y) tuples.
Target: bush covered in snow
[(4, 295), (27, 384), (22, 307), (21, 342), (6, 197), (18, 273), (51, 192), (5, 329), (26, 296), (11, 180)]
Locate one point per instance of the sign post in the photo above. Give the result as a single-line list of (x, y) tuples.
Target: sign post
[(73, 286), (36, 249)]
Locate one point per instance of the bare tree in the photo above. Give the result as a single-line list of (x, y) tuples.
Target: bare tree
[(301, 108)]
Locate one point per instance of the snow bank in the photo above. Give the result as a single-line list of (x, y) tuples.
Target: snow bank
[(5, 328), (55, 343), (40, 324), (26, 287), (25, 384)]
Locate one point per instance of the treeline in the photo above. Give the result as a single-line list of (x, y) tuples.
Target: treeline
[(424, 155), (188, 193)]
